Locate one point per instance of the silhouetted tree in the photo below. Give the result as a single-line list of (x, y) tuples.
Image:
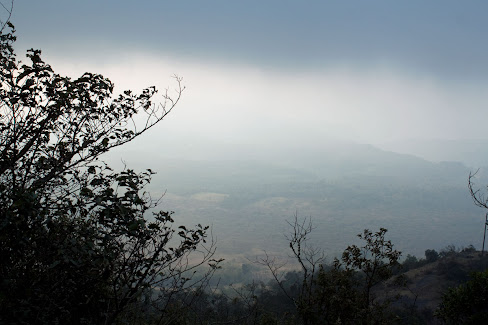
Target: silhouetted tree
[(431, 255), (410, 263), (375, 262), (340, 293), (481, 201), (78, 243)]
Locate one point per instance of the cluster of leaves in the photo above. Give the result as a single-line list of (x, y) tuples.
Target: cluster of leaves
[(80, 243)]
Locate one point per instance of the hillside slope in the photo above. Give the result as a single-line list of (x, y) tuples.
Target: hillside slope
[(426, 285)]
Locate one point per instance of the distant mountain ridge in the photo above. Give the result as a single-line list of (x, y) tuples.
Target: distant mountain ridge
[(323, 159), (473, 153)]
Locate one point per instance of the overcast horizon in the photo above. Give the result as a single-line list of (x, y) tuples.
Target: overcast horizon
[(280, 73)]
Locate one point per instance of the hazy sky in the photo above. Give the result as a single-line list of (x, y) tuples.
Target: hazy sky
[(282, 71)]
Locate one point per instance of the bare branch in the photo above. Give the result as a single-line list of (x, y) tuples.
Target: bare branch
[(8, 9)]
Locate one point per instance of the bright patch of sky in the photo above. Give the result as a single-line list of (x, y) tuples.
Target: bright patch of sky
[(282, 71)]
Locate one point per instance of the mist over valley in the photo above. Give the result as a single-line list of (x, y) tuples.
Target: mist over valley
[(246, 193)]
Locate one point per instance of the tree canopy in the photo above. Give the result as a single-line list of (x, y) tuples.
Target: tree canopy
[(79, 242)]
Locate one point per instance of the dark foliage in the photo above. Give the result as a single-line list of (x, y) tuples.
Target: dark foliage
[(468, 303), (341, 292), (78, 243)]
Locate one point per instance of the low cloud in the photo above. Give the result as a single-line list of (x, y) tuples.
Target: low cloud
[(246, 103)]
